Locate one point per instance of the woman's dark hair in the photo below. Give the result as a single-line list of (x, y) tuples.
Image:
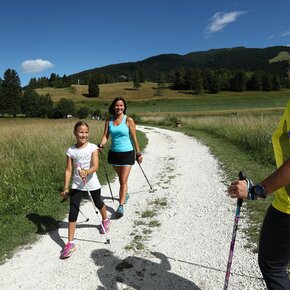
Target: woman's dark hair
[(80, 123), (111, 108)]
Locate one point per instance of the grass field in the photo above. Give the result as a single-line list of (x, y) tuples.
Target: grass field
[(145, 102), (33, 159)]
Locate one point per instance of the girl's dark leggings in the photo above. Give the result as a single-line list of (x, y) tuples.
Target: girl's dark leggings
[(274, 249), (75, 201)]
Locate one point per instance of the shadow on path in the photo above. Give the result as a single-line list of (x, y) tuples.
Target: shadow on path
[(137, 272), (47, 225), (216, 269)]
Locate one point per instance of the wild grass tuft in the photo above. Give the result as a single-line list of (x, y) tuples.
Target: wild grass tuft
[(154, 223), (159, 202), (148, 213)]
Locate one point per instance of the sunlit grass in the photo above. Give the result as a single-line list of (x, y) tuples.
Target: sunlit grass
[(33, 160), (144, 101)]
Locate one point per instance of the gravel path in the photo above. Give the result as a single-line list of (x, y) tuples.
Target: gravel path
[(177, 234)]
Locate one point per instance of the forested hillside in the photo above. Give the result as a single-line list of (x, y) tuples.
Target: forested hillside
[(239, 58)]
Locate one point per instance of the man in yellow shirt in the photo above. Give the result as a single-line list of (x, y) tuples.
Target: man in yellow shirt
[(274, 245)]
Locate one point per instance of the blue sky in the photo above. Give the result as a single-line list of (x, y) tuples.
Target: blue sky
[(40, 37)]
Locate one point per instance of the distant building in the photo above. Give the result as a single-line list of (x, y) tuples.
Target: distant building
[(122, 78)]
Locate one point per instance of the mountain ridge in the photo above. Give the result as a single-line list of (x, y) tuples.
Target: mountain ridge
[(237, 58)]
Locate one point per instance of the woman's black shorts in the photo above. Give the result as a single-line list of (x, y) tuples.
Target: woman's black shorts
[(121, 158)]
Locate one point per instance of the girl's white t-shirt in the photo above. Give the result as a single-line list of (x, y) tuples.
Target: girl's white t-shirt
[(83, 156)]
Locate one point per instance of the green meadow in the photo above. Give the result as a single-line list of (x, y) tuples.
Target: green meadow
[(236, 127), (32, 165), (33, 162), (145, 101)]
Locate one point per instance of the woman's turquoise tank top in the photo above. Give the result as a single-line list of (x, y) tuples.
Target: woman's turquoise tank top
[(120, 135)]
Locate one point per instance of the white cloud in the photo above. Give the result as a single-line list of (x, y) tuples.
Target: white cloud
[(285, 33), (221, 20), (35, 66)]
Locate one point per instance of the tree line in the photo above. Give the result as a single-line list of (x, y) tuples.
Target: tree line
[(197, 80), (14, 101), (213, 81), (91, 79)]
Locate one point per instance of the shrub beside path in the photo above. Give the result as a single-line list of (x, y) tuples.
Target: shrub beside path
[(175, 236)]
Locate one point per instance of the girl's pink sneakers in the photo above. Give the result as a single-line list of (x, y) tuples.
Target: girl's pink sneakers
[(67, 250)]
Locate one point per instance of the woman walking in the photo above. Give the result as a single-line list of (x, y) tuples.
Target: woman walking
[(122, 155)]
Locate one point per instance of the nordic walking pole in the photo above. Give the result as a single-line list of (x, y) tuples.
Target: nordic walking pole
[(79, 167), (144, 175), (242, 176), (104, 166), (87, 219)]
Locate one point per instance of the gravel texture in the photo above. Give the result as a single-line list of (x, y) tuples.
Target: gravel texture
[(175, 236)]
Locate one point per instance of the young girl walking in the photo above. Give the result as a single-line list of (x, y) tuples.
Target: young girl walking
[(84, 153)]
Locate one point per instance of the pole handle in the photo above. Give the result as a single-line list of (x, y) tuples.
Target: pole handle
[(242, 176)]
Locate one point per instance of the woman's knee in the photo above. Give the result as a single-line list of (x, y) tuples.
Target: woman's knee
[(123, 179), (123, 182)]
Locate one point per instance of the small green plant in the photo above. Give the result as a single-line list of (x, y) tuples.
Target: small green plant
[(138, 238), (136, 243), (147, 231), (154, 223), (143, 227), (148, 214), (129, 247), (159, 202), (139, 223)]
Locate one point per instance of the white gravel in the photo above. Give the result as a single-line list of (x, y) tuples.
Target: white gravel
[(189, 250)]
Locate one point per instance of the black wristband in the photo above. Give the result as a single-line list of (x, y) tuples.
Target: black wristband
[(258, 190)]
